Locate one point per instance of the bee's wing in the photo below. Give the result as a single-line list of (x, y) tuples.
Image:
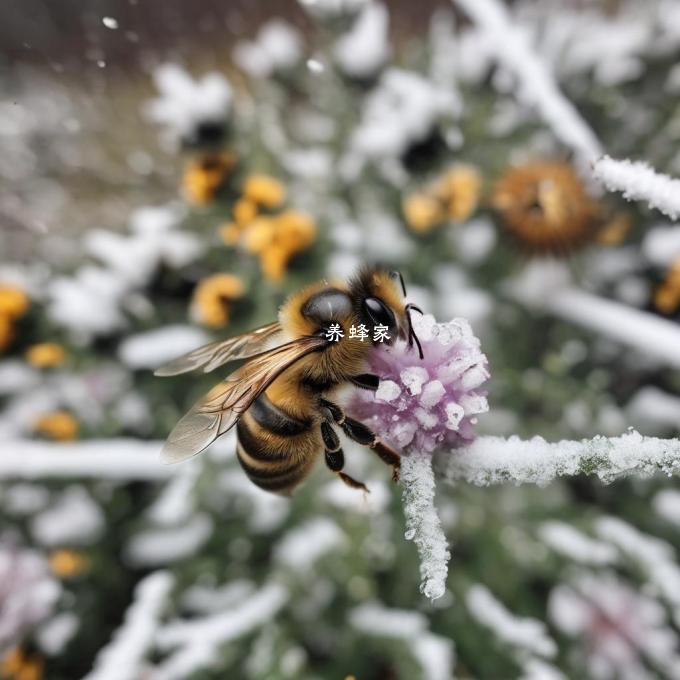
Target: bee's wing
[(209, 357), (219, 410)]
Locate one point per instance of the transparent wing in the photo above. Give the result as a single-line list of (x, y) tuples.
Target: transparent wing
[(219, 410), (209, 357)]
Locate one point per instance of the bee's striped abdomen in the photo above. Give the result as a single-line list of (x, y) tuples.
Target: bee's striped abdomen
[(274, 448)]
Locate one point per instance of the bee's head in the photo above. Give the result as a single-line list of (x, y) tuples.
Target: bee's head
[(379, 300)]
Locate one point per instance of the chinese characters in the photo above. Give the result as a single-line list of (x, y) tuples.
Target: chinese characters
[(361, 332)]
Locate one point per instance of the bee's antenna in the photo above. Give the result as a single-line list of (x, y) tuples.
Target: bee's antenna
[(411, 333), (395, 274)]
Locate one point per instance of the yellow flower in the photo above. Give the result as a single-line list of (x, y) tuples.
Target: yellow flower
[(58, 425), (210, 304), (260, 234), (422, 212), (295, 231), (45, 355), (67, 563), (615, 231), (205, 176), (13, 301), (18, 665), (460, 189), (265, 190), (667, 295), (6, 332), (545, 206), (230, 233), (245, 211)]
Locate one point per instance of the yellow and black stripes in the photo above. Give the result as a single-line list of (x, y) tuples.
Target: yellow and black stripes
[(274, 448)]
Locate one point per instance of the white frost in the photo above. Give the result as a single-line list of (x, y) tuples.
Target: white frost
[(575, 545), (153, 348), (301, 547), (524, 633), (423, 525), (123, 657), (637, 181), (362, 51)]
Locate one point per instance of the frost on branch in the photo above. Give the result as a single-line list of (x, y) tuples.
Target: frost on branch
[(494, 460), (422, 406), (537, 87), (637, 181), (122, 659), (423, 526)]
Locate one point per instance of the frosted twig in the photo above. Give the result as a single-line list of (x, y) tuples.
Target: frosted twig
[(638, 181), (121, 459), (537, 87), (122, 658), (199, 639), (423, 526), (494, 460), (656, 337)]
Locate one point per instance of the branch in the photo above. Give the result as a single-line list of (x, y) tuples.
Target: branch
[(637, 181), (494, 460), (120, 459), (537, 85)]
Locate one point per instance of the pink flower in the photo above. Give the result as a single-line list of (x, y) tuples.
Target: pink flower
[(431, 403), (28, 592)]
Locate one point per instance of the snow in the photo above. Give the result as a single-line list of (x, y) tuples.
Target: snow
[(494, 460), (637, 181), (652, 407), (301, 547), (110, 22), (423, 525), (666, 504), (575, 545), (654, 555), (400, 112), (16, 376), (74, 519), (88, 303), (56, 633), (198, 599), (537, 87), (277, 47), (199, 639), (434, 653), (123, 657), (655, 337), (413, 378), (176, 501), (185, 103), (168, 544), (661, 244), (526, 634), (362, 51), (150, 349), (24, 499), (387, 391), (118, 459)]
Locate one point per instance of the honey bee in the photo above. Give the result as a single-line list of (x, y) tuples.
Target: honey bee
[(281, 400)]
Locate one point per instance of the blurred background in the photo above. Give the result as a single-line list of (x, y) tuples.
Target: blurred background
[(171, 172)]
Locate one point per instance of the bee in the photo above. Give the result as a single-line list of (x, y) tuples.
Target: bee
[(281, 400)]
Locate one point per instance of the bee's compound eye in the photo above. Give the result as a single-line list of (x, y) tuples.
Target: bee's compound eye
[(379, 312)]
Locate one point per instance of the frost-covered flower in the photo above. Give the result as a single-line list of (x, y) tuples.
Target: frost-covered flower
[(429, 404), (619, 627), (190, 108), (277, 48), (421, 406), (28, 592), (363, 51), (403, 111)]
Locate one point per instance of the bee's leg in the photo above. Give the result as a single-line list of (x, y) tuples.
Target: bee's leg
[(367, 381), (335, 458), (363, 435)]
